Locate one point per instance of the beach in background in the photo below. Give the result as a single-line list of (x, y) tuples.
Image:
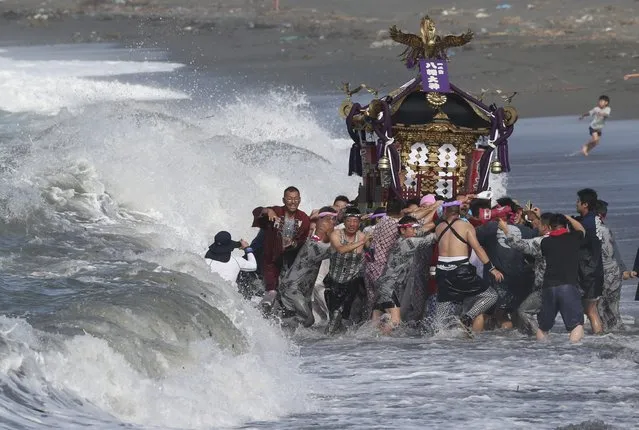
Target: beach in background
[(558, 57)]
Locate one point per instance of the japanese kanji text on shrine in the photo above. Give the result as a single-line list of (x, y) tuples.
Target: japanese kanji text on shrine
[(434, 75)]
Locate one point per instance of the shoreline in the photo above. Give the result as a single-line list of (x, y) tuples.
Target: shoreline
[(554, 74)]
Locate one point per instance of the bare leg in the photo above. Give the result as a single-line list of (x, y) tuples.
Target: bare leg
[(590, 309), (478, 323), (577, 333), (395, 316), (386, 326), (594, 141), (541, 335)]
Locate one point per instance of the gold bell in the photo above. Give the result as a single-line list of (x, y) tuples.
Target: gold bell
[(495, 167), (383, 164), (384, 167)]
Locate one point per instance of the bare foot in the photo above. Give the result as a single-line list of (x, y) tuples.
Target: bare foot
[(584, 150)]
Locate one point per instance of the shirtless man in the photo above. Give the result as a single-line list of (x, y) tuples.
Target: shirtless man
[(457, 279)]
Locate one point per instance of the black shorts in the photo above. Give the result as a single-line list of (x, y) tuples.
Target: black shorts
[(592, 130), (341, 295), (459, 284), (388, 305), (565, 299)]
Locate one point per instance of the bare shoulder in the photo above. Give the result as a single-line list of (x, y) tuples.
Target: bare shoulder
[(466, 226)]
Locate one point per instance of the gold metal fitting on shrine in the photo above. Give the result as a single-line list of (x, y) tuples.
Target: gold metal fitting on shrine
[(436, 99), (384, 167), (383, 164), (495, 167)]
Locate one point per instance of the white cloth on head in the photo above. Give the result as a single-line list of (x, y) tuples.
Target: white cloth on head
[(232, 268)]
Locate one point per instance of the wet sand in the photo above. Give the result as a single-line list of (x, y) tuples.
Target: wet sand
[(558, 58)]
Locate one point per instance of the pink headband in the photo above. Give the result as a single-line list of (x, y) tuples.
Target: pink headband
[(455, 203), (380, 215), (323, 214), (407, 225)]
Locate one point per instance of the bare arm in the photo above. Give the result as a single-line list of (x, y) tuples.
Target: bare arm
[(427, 213), (348, 247), (471, 238), (631, 76)]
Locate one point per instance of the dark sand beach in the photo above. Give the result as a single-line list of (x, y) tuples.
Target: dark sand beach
[(558, 58)]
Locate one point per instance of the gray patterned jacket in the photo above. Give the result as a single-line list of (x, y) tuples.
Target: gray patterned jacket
[(531, 247), (398, 267)]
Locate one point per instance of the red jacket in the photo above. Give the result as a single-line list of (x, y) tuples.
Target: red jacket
[(273, 231)]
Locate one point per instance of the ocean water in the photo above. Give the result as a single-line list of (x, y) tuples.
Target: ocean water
[(118, 167)]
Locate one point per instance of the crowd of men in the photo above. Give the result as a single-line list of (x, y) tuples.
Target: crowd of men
[(434, 264)]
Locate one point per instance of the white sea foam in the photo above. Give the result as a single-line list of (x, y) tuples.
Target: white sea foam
[(46, 86), (185, 177), (172, 181)]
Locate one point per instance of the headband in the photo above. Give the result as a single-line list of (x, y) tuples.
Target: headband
[(455, 203), (408, 225), (379, 215), (323, 214)]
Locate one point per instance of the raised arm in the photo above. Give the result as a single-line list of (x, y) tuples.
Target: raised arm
[(527, 246), (576, 225), (347, 247), (250, 264), (422, 241), (426, 214)]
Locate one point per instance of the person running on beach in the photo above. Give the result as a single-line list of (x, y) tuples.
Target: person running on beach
[(599, 114)]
